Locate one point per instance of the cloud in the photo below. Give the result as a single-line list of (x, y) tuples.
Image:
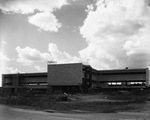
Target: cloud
[(28, 56), (39, 69), (45, 21), (44, 18), (4, 57), (29, 6), (89, 8), (4, 43), (117, 33), (12, 70), (3, 60), (61, 57), (97, 57)]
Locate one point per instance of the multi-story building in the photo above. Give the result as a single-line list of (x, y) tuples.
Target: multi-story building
[(76, 76), (21, 82), (123, 78)]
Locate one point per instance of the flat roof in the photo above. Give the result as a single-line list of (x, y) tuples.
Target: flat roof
[(27, 74), (64, 63), (138, 70)]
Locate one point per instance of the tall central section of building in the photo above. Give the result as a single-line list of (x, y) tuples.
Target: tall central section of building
[(65, 74)]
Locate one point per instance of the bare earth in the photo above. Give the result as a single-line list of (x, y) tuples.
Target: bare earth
[(10, 113)]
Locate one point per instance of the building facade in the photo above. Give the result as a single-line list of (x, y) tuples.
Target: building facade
[(76, 76), (21, 82), (123, 78), (68, 76)]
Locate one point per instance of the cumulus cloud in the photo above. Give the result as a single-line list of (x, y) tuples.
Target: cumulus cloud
[(28, 55), (4, 57), (4, 43), (29, 6), (12, 69), (61, 57), (3, 60), (39, 69), (46, 21), (117, 33), (89, 8)]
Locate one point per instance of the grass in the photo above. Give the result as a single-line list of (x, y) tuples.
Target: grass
[(130, 102)]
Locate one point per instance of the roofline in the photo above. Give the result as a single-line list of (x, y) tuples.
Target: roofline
[(124, 69), (121, 71), (64, 63), (25, 73)]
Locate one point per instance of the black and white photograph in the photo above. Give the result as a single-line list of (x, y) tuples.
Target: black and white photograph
[(74, 59)]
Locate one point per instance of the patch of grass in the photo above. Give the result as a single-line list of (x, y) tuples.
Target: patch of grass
[(136, 96), (130, 102), (102, 107)]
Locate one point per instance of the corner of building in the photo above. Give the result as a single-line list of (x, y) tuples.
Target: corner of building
[(147, 77)]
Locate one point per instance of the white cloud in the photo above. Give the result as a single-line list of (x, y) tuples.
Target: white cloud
[(4, 43), (45, 21), (61, 57), (97, 57), (28, 55), (89, 8), (39, 69), (3, 57), (118, 34), (28, 6), (3, 60), (12, 70)]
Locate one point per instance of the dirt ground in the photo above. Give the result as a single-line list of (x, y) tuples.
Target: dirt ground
[(11, 113)]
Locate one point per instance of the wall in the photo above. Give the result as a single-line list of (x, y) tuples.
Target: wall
[(122, 78), (147, 77), (65, 74), (34, 80), (72, 75), (94, 76), (129, 75), (17, 80), (7, 80)]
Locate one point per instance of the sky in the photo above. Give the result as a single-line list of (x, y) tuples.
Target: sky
[(106, 34)]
